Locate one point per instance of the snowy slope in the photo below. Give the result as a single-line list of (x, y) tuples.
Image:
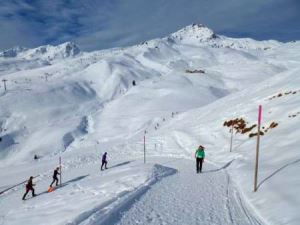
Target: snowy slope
[(63, 102)]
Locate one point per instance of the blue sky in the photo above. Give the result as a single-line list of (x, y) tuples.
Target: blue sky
[(99, 24)]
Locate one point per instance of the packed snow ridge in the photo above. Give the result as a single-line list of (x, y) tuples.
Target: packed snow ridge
[(181, 89)]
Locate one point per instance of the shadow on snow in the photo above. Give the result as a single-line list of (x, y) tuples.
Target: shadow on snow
[(120, 164), (277, 171), (221, 168), (65, 184)]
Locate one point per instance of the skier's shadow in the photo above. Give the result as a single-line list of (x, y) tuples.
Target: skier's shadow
[(120, 164), (222, 168), (66, 183)]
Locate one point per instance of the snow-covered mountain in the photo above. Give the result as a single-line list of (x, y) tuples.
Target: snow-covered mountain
[(63, 102), (198, 33), (20, 58), (50, 52)]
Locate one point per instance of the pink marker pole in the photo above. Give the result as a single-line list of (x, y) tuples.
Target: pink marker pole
[(257, 147), (145, 146), (259, 114), (60, 171)]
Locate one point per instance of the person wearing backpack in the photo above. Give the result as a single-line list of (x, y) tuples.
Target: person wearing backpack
[(29, 187), (199, 155)]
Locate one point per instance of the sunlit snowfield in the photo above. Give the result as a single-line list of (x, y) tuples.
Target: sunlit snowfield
[(61, 102)]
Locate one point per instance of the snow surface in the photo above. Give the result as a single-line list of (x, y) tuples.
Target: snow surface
[(190, 198), (63, 102)]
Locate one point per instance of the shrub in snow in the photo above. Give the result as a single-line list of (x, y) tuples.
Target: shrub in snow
[(255, 134), (240, 126), (286, 93), (194, 71), (294, 115)]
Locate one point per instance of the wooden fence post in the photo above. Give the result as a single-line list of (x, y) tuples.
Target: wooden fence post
[(231, 138), (257, 147), (4, 83)]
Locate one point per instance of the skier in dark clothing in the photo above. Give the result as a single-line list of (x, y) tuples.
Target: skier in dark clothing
[(199, 155), (55, 173), (29, 187), (104, 161)]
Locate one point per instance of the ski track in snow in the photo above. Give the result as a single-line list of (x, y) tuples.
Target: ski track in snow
[(183, 198)]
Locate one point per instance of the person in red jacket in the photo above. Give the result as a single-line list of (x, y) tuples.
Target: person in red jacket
[(29, 187)]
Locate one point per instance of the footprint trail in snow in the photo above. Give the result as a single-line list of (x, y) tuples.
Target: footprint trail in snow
[(188, 198)]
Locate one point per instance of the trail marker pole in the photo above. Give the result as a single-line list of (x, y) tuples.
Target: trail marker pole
[(145, 146), (4, 82), (231, 138), (60, 171), (257, 148)]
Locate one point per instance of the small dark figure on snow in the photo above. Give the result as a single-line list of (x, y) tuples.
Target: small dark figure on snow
[(55, 178), (29, 187), (199, 155), (133, 83), (104, 161)]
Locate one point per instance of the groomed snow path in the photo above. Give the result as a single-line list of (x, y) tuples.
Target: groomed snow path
[(188, 198)]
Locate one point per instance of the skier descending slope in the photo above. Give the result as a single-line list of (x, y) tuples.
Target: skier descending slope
[(104, 161), (29, 187), (199, 155)]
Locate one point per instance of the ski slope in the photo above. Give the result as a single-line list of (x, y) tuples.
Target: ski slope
[(61, 102)]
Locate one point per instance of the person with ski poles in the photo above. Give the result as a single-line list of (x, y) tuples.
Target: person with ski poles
[(104, 161), (199, 155), (29, 187), (55, 178)]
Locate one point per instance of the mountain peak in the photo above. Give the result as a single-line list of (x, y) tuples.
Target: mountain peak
[(194, 32)]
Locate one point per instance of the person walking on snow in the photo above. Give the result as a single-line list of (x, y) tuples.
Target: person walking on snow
[(29, 187), (104, 161), (55, 178), (199, 155)]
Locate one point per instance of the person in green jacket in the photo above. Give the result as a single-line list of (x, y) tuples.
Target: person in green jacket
[(199, 155)]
